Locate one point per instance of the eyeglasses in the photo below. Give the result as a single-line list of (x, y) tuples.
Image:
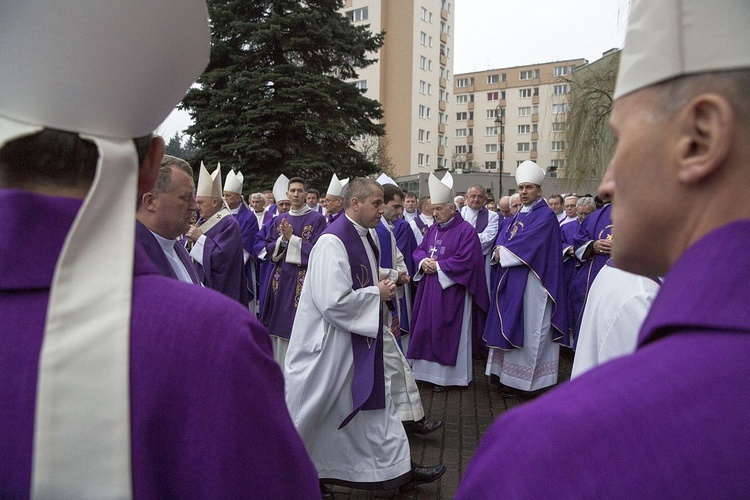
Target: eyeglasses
[(583, 215)]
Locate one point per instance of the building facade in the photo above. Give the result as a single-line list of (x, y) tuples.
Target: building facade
[(412, 79), (502, 117)]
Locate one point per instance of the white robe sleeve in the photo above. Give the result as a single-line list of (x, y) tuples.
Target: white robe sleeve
[(508, 258), (197, 251)]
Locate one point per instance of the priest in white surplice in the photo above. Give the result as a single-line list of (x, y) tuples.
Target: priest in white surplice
[(336, 389)]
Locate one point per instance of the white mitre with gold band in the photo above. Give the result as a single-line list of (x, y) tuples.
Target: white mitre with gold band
[(280, 188), (233, 182), (98, 69), (670, 38), (336, 186), (528, 171), (441, 191)]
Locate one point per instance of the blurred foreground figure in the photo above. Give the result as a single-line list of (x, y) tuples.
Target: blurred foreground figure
[(670, 420), (117, 381)]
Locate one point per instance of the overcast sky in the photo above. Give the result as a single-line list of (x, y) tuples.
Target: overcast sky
[(503, 33)]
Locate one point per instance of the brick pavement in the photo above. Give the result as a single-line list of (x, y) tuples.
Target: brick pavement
[(467, 414)]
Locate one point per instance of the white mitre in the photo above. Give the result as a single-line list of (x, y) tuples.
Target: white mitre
[(441, 191), (209, 184), (233, 182), (280, 188), (529, 171), (336, 186), (670, 38), (384, 179), (109, 71)]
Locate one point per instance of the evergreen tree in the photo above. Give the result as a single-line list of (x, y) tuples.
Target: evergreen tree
[(273, 98)]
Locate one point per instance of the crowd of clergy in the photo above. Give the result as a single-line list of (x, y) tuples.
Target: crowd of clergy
[(165, 340)]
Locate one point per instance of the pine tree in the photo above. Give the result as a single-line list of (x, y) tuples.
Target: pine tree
[(273, 98)]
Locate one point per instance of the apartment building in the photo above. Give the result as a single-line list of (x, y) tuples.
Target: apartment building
[(502, 117), (412, 78)]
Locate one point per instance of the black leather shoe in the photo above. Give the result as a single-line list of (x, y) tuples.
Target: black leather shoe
[(421, 474), (423, 427), (440, 388), (326, 493)]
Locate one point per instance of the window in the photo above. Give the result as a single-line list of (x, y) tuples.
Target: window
[(462, 99), (361, 84), (442, 117), (493, 96), (524, 111), (444, 28), (357, 15), (461, 150), (424, 111), (558, 126), (425, 39), (489, 131), (444, 50), (421, 135), (425, 64), (423, 160), (490, 165), (536, 91), (558, 145), (461, 116), (534, 110), (533, 146), (442, 163), (490, 148), (559, 108), (491, 113), (493, 78), (561, 70), (442, 140), (524, 93), (523, 147), (464, 82), (446, 6), (424, 87), (558, 164), (560, 89), (444, 96), (426, 15), (461, 132), (534, 128), (524, 129), (525, 75)]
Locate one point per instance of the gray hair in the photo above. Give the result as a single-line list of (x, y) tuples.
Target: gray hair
[(586, 201), (258, 196), (164, 180)]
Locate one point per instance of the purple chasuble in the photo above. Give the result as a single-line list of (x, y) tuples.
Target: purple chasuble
[(223, 266), (596, 226), (677, 406), (438, 312), (534, 237), (207, 411), (150, 245), (283, 289), (249, 229), (265, 266), (570, 267), (368, 384)]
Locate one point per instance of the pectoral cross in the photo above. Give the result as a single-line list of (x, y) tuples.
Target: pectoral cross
[(433, 249)]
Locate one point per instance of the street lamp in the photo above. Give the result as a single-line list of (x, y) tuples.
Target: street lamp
[(499, 123)]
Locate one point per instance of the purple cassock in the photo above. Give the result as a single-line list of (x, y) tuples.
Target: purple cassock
[(668, 421), (265, 266), (570, 267), (284, 286), (406, 243), (438, 312), (147, 241), (596, 226), (249, 229), (223, 266), (534, 237), (208, 417)]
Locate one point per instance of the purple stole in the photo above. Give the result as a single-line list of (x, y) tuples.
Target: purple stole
[(420, 225), (368, 384), (535, 238), (146, 240), (406, 243), (332, 217), (482, 218)]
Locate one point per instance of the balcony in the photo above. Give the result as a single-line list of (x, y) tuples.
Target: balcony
[(470, 105), (535, 118), (534, 155), (443, 60), (469, 123), (443, 14), (443, 83), (441, 105), (535, 99), (535, 136), (441, 128), (443, 38), (469, 139), (441, 150)]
